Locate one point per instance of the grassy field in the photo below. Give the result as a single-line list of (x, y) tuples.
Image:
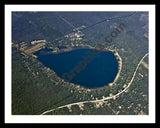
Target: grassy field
[(34, 48)]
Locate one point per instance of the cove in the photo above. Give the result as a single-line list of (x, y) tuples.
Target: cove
[(100, 71)]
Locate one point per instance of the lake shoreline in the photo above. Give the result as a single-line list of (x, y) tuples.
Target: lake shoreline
[(79, 47), (118, 58)]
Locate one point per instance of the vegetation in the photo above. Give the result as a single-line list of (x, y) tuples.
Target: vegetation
[(36, 88)]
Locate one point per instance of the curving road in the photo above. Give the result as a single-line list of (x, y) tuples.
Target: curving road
[(101, 100)]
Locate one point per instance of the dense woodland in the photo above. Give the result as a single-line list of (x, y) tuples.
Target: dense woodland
[(36, 88)]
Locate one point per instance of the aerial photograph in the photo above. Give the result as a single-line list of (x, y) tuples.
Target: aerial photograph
[(80, 63)]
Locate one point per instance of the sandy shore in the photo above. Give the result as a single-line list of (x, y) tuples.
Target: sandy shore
[(119, 59)]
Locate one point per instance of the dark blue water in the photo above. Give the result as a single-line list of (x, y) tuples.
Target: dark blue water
[(86, 67)]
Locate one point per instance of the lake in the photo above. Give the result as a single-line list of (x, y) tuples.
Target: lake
[(89, 68)]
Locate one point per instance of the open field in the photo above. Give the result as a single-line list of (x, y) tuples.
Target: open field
[(34, 48)]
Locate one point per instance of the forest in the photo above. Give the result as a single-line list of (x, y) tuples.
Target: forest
[(36, 88)]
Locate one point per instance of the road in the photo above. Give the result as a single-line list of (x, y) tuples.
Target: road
[(103, 99)]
